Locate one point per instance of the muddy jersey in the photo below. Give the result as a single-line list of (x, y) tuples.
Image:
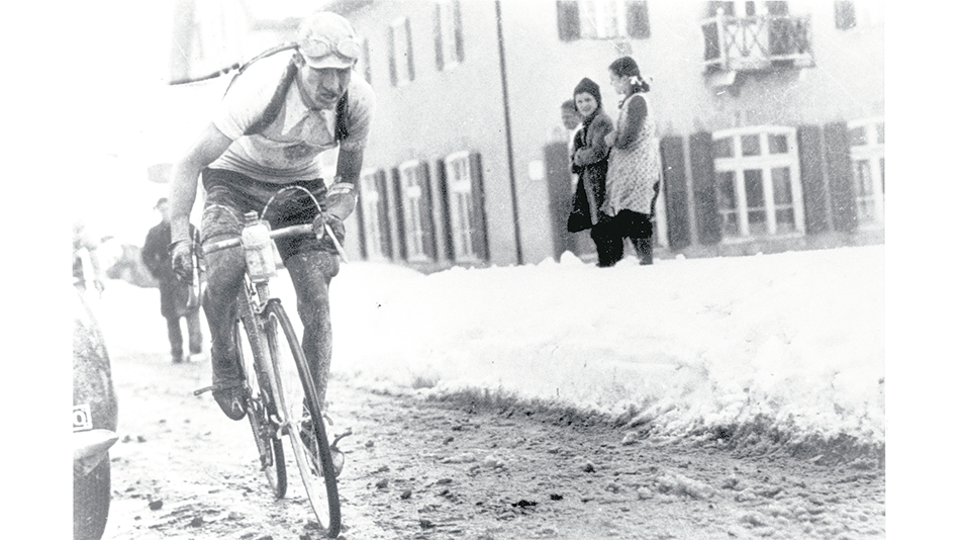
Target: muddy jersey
[(287, 149)]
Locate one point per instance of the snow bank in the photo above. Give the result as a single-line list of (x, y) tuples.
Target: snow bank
[(793, 338), (796, 337)]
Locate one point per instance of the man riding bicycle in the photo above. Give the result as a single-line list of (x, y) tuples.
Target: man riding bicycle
[(275, 120)]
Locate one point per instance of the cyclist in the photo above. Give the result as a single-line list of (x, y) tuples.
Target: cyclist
[(271, 126)]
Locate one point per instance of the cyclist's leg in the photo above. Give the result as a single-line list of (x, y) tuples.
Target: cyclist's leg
[(311, 272), (224, 271)]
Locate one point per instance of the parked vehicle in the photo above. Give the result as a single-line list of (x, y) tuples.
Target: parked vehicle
[(94, 421)]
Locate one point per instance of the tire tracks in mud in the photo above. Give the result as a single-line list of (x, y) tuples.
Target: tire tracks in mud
[(419, 469)]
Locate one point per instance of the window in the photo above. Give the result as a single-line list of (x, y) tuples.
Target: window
[(866, 138), (465, 230), (849, 14), (845, 16), (376, 231), (401, 52), (448, 34), (417, 211), (602, 19), (758, 182)]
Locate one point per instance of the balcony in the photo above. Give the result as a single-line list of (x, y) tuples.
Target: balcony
[(755, 43)]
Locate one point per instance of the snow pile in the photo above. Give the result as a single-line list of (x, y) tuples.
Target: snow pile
[(794, 338)]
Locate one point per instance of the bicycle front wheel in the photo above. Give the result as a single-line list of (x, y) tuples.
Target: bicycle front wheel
[(300, 411), (261, 406)]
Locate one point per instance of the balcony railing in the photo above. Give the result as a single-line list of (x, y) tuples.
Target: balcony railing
[(756, 43)]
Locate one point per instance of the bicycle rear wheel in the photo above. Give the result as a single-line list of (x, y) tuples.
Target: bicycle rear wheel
[(261, 407), (297, 393)]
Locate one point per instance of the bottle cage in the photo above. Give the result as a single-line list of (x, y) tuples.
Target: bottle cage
[(276, 102)]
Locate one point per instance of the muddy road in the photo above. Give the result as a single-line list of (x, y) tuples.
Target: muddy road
[(421, 469)]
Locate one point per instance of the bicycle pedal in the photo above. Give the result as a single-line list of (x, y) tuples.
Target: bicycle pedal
[(203, 390)]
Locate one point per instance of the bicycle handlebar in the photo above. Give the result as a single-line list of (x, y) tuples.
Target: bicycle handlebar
[(292, 230)]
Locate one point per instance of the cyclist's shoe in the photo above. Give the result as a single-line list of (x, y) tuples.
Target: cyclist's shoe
[(228, 390), (231, 399), (310, 441)]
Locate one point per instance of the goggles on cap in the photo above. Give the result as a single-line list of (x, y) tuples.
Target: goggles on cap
[(318, 47)]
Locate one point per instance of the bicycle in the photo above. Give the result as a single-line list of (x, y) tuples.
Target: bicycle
[(280, 394)]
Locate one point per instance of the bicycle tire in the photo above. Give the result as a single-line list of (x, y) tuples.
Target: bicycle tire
[(296, 389), (261, 407)]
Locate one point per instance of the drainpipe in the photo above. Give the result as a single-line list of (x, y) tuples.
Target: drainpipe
[(506, 117)]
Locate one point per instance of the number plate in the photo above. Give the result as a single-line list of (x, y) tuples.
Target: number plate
[(82, 421)]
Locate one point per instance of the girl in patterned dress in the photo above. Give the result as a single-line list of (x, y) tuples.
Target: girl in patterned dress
[(633, 177)]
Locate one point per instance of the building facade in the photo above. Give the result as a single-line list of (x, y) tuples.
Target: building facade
[(770, 117)]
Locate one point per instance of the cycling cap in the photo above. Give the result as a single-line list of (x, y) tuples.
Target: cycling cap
[(327, 40)]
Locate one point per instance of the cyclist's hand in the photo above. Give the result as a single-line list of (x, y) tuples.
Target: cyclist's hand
[(181, 257), (335, 223)]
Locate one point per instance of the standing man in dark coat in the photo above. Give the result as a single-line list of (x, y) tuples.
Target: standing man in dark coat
[(174, 295)]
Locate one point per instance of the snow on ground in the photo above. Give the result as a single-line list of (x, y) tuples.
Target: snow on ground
[(795, 337)]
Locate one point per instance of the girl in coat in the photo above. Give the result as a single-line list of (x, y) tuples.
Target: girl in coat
[(633, 178), (589, 159)]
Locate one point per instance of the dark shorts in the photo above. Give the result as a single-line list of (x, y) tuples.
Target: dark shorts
[(230, 195)]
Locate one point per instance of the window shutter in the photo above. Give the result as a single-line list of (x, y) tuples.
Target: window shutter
[(438, 37), (458, 30), (361, 224), (400, 200), (809, 142), (409, 49), (675, 191), (556, 159), (393, 57), (383, 221), (568, 20), (778, 9), (845, 14), (444, 196), (638, 19), (367, 75), (704, 188), (426, 212), (478, 218), (840, 177)]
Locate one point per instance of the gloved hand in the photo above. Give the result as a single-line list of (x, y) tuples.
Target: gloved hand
[(181, 257), (335, 223)]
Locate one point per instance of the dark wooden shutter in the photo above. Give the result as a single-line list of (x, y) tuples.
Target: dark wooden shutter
[(840, 177), (400, 201), (458, 30), (393, 57), (675, 191), (845, 14), (704, 188), (426, 212), (409, 50), (361, 228), (568, 20), (638, 19), (438, 36), (809, 141), (556, 159), (478, 218), (444, 196), (383, 217), (367, 74)]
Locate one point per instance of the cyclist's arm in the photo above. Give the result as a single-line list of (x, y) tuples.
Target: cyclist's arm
[(343, 195), (183, 186)]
